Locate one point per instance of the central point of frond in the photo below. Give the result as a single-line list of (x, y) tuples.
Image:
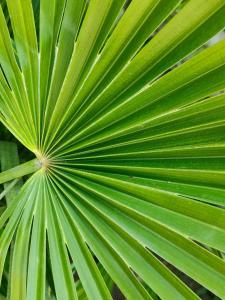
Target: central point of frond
[(43, 160)]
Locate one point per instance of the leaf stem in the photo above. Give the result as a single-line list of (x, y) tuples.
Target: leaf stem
[(19, 171)]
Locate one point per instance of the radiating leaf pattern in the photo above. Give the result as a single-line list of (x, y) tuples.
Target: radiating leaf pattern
[(127, 122)]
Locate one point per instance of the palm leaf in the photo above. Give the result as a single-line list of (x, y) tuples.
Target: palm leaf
[(123, 106)]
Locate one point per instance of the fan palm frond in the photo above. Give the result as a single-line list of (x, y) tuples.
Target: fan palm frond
[(124, 108)]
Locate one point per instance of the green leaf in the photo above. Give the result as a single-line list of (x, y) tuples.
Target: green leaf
[(19, 171), (173, 89), (86, 267), (152, 53), (61, 268), (158, 238), (21, 16), (14, 213), (36, 273), (129, 248), (122, 103), (9, 158)]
